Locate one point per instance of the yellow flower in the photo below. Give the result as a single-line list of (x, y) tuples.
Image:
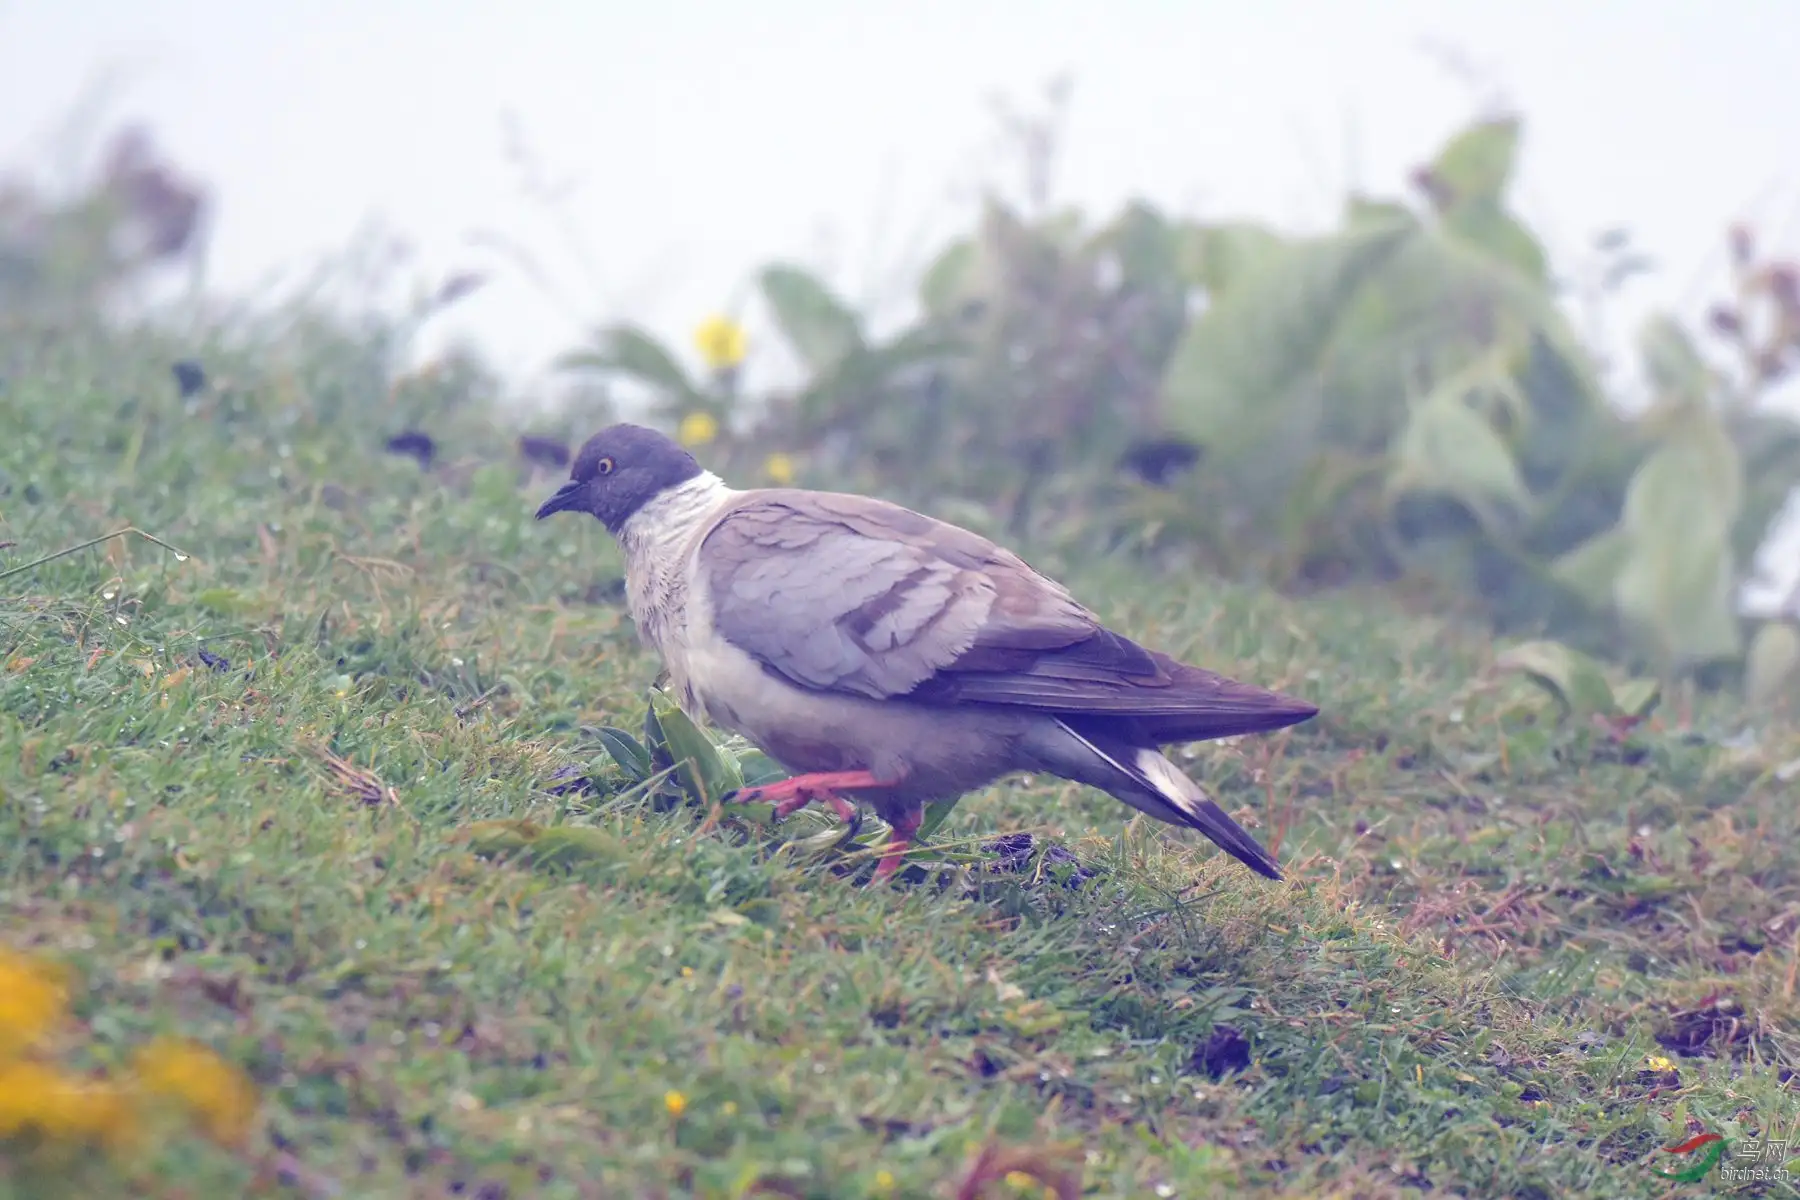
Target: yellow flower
[(697, 429), (676, 1103), (729, 1108), (722, 342), (1657, 1062), (1020, 1180), (884, 1181), (687, 972), (38, 1099), (33, 995), (780, 468), (220, 1096)]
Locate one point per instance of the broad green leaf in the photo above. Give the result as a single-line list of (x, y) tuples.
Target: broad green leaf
[(758, 768), (1438, 307), (1477, 163), (624, 750), (636, 354), (1591, 569), (1678, 374), (1241, 364), (1637, 697), (544, 845), (1221, 256), (1772, 663), (1573, 679), (1490, 229), (1360, 211), (1676, 584), (707, 773), (1447, 448), (816, 323)]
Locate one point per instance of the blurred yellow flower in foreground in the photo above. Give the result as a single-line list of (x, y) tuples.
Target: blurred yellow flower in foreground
[(697, 429), (33, 995), (219, 1095), (722, 342), (36, 1098), (40, 1100), (780, 468), (676, 1103)]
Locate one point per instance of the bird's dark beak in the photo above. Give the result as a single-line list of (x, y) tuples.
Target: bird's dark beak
[(567, 497)]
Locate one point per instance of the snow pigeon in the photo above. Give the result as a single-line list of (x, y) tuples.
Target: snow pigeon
[(893, 659)]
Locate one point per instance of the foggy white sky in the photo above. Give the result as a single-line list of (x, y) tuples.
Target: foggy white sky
[(703, 137)]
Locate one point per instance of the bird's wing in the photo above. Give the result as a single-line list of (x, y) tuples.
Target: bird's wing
[(859, 596)]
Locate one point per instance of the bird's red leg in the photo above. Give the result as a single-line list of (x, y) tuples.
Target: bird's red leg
[(905, 825), (792, 795)]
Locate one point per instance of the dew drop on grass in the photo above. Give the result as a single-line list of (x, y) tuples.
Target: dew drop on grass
[(108, 594)]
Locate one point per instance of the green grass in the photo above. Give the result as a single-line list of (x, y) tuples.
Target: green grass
[(1491, 919)]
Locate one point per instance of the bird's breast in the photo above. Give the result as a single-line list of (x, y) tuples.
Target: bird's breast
[(656, 596)]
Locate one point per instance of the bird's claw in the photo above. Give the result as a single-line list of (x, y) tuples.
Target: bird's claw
[(791, 795)]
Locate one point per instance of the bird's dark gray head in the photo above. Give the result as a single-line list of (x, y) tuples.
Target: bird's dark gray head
[(619, 470)]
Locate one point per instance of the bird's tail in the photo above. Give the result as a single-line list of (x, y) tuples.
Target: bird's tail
[(1143, 777)]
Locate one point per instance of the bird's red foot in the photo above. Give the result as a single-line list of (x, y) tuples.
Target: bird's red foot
[(893, 855), (792, 795)]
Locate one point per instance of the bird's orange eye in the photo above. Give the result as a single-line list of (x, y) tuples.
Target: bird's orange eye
[(605, 466)]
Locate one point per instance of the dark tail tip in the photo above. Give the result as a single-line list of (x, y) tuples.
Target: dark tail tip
[(1232, 838)]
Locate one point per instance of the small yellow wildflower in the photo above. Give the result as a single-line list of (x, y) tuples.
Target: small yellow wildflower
[(697, 429), (1020, 1180), (722, 342), (33, 995), (219, 1095), (884, 1182), (779, 468), (38, 1099), (729, 1108), (676, 1103), (1657, 1062), (687, 972)]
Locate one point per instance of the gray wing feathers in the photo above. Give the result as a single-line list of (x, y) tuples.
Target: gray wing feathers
[(853, 595), (850, 594)]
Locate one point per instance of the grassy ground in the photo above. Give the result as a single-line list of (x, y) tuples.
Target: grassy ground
[(1493, 920)]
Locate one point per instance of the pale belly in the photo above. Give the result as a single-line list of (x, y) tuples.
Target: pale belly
[(932, 753)]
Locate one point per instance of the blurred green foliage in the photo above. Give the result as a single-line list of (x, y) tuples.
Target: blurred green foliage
[(1399, 399), (1402, 399)]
